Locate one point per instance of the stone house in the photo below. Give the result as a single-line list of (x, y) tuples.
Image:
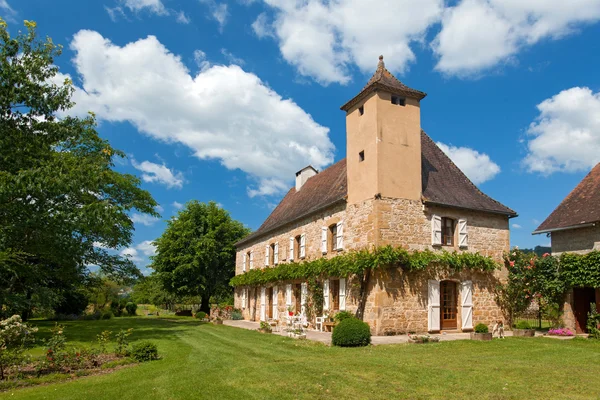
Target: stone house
[(574, 227), (395, 187)]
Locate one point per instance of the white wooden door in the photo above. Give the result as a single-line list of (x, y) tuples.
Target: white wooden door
[(275, 297), (263, 304), (466, 294), (342, 294), (433, 309)]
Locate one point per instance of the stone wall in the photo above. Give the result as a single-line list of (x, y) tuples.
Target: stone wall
[(581, 240)]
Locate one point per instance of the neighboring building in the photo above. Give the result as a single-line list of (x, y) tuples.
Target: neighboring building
[(574, 227), (395, 187)]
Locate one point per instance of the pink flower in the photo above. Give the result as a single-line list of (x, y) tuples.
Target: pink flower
[(546, 255), (512, 263)]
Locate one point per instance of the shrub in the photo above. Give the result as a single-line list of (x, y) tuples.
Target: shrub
[(131, 308), (15, 337), (200, 314), (116, 308), (593, 322), (103, 338), (481, 328), (73, 302), (523, 325), (107, 315), (265, 327), (351, 332), (123, 342), (342, 315), (236, 315), (144, 351)]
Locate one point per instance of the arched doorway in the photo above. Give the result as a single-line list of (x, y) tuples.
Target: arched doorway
[(448, 305)]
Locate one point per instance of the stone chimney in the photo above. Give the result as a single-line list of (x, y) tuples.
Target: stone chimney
[(303, 175)]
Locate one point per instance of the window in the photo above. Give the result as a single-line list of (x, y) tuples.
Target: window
[(361, 156), (447, 232), (332, 236), (334, 292), (361, 110), (251, 258), (297, 252), (272, 254), (399, 101)]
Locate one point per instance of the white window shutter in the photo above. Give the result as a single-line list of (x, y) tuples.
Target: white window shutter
[(291, 249), (303, 296), (244, 263), (267, 248), (276, 255), (251, 259), (342, 294), (326, 294), (303, 246), (288, 295), (433, 309), (463, 236), (340, 236), (263, 304), (467, 305), (244, 298), (436, 230), (275, 298), (324, 240)]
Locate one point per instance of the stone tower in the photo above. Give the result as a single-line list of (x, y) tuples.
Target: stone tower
[(383, 133)]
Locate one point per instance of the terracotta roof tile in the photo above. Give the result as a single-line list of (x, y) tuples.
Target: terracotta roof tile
[(443, 183), (581, 206)]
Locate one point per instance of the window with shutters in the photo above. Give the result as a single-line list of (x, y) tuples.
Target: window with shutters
[(334, 294), (251, 258), (272, 254), (332, 237), (297, 242), (276, 253), (298, 298), (448, 226)]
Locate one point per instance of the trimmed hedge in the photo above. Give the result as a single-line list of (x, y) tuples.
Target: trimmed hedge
[(351, 332), (481, 328), (144, 351)]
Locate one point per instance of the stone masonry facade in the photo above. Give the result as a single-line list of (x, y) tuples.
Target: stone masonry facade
[(581, 240), (397, 302)]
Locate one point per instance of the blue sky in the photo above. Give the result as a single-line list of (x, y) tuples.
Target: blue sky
[(225, 100)]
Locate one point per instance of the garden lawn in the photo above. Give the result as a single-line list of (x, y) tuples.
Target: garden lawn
[(220, 362)]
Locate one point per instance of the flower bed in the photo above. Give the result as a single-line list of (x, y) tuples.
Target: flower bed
[(561, 332), (422, 339)]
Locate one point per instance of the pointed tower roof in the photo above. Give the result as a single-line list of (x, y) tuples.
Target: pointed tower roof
[(383, 79)]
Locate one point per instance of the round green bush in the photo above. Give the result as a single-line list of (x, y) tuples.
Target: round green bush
[(107, 315), (351, 332), (131, 308), (481, 328), (200, 314), (523, 325), (144, 350), (342, 315)]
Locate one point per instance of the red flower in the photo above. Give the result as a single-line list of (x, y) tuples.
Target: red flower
[(512, 263), (546, 255)]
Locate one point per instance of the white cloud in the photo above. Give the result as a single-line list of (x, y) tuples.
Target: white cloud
[(147, 248), (132, 254), (232, 59), (144, 219), (516, 226), (7, 11), (159, 208), (268, 187), (218, 12), (323, 39), (262, 27), (182, 18), (114, 13), (479, 34), (566, 135), (161, 174), (153, 6), (177, 205), (478, 167), (221, 113), (200, 60)]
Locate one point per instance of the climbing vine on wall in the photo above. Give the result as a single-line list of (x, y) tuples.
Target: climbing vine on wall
[(356, 262)]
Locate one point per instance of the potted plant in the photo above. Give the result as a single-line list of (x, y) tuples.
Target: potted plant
[(265, 327), (290, 311), (481, 332), (523, 329), (218, 321)]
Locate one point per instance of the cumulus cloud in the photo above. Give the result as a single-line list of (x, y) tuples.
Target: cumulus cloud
[(152, 172), (137, 7), (323, 39), (132, 254), (147, 248), (478, 167), (140, 253), (221, 113), (479, 34), (144, 219), (262, 27), (566, 134)]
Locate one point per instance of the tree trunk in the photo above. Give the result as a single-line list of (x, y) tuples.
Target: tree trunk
[(205, 304), (362, 300)]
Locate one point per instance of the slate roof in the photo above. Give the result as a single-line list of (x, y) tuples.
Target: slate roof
[(443, 183), (384, 80), (581, 206)]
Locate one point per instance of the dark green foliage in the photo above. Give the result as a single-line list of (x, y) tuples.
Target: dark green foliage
[(131, 308), (355, 262), (342, 315), (74, 302), (538, 250), (200, 314), (593, 322), (107, 315), (523, 325), (144, 350), (481, 328), (351, 332), (236, 315), (59, 193), (196, 252), (265, 327)]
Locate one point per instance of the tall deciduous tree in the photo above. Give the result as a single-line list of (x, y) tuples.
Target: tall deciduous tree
[(196, 253), (59, 194)]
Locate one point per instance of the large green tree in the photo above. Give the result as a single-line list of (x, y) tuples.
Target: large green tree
[(196, 253), (62, 206)]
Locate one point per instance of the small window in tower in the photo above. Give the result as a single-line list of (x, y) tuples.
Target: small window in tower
[(361, 156), (399, 101), (361, 110)]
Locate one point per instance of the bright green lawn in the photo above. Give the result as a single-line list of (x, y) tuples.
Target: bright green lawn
[(220, 362)]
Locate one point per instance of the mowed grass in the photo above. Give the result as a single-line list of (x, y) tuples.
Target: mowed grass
[(204, 361)]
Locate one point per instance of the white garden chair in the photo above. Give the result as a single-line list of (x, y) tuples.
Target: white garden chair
[(319, 323)]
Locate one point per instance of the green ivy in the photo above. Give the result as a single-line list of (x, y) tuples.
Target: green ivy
[(356, 262), (580, 270)]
